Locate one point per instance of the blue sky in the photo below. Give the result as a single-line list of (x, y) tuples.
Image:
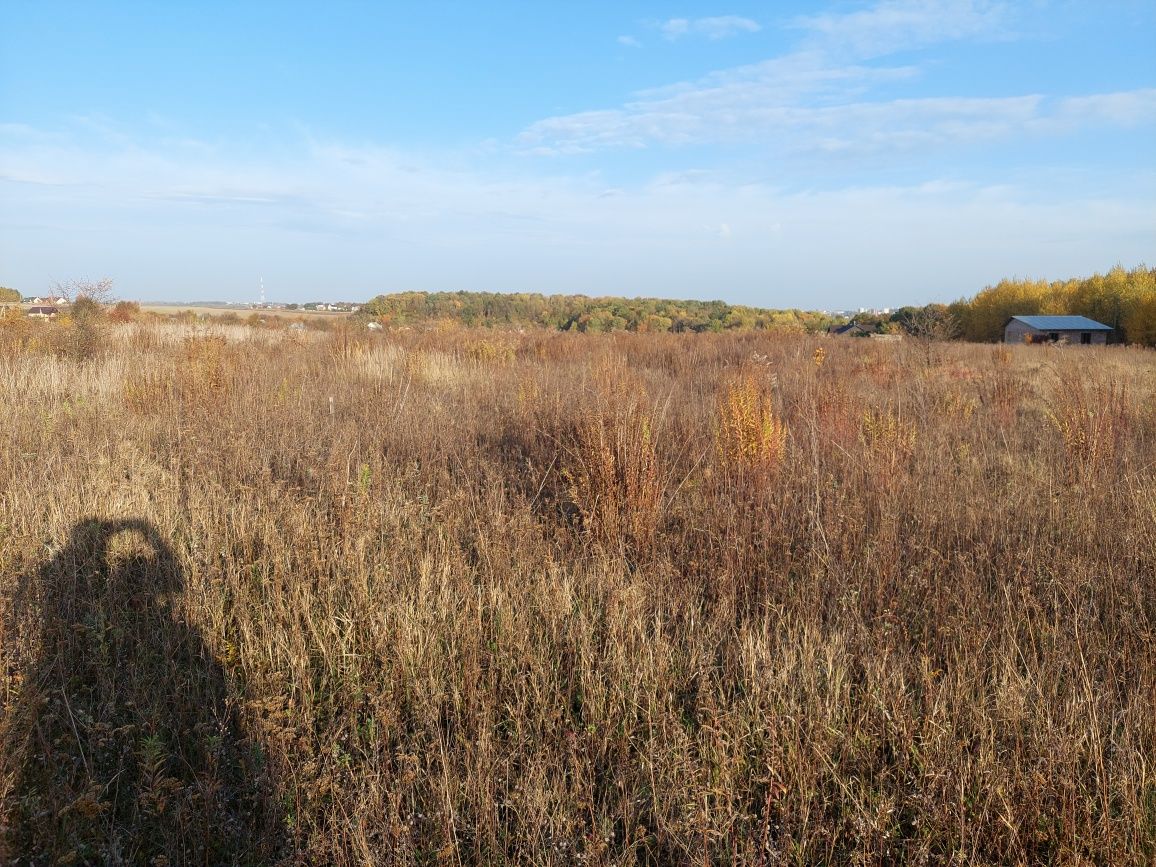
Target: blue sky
[(780, 154)]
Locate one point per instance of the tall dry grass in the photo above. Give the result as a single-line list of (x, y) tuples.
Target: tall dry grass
[(557, 599)]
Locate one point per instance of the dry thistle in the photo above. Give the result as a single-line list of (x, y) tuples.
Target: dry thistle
[(1091, 421), (750, 438), (889, 439), (614, 477)]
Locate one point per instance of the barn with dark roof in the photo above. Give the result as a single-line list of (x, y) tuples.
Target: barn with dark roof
[(1056, 329)]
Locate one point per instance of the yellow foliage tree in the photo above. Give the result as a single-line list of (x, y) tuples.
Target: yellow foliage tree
[(1120, 298)]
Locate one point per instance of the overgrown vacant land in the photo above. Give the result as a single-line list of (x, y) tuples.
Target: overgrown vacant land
[(566, 599)]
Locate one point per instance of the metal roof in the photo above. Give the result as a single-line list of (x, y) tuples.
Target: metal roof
[(844, 329), (1062, 323)]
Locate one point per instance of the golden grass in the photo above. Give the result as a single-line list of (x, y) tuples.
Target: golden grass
[(750, 437), (664, 599)]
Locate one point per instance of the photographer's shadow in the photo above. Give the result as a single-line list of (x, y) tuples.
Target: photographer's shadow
[(124, 740)]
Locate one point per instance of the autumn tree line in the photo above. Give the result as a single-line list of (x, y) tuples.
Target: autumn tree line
[(1123, 299), (582, 313)]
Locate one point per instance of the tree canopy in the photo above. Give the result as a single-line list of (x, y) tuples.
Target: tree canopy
[(1125, 300), (582, 313)]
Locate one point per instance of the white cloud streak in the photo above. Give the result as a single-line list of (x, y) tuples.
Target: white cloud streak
[(335, 217), (895, 25), (796, 107), (818, 98), (713, 28)]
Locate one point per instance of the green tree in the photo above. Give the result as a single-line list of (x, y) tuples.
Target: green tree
[(85, 309)]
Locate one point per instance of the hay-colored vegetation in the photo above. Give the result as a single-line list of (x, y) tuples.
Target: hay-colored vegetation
[(441, 598)]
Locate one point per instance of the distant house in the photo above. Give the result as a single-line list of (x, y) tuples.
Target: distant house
[(851, 329), (1055, 329), (42, 312)]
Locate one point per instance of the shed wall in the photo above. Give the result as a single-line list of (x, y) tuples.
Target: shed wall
[(1017, 332)]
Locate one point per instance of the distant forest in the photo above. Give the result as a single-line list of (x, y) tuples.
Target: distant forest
[(1123, 299), (582, 313)]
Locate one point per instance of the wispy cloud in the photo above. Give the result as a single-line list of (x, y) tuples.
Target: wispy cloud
[(714, 28), (1124, 109), (824, 96), (742, 111), (895, 25), (629, 42), (733, 105), (333, 214)]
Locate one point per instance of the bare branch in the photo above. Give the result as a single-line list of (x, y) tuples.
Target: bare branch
[(99, 291)]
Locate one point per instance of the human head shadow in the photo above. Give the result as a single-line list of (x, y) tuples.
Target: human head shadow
[(124, 738)]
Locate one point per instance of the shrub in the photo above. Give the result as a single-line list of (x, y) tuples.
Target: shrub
[(751, 439), (614, 475), (124, 311)]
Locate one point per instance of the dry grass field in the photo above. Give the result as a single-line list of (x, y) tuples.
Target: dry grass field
[(242, 313), (476, 598)]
